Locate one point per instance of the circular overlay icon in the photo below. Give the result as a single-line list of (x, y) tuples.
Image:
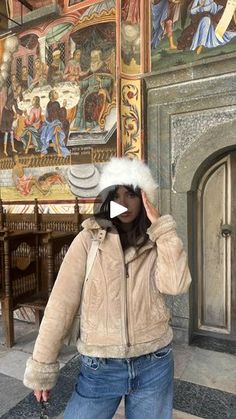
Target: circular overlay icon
[(110, 210)]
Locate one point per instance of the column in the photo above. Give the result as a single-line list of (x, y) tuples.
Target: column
[(134, 63)]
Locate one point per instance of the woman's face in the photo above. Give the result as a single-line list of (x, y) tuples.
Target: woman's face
[(129, 200)]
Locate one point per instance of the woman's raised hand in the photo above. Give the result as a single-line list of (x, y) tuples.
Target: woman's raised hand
[(152, 212), (42, 395)]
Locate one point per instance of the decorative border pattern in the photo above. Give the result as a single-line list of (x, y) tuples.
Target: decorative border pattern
[(131, 101)]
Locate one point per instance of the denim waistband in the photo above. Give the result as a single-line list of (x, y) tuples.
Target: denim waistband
[(149, 355)]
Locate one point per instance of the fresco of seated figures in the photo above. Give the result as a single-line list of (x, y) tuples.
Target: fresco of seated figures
[(185, 31), (58, 103)]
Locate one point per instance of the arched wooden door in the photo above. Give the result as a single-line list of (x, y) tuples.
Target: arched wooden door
[(214, 311)]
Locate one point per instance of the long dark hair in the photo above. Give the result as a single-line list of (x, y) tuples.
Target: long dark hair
[(137, 236)]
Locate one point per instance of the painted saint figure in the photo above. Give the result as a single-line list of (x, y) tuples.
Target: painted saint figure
[(73, 70), (131, 11), (205, 34), (33, 122), (52, 128), (164, 14), (40, 74), (56, 68), (23, 182), (96, 90), (200, 33), (26, 79), (9, 121), (16, 88)]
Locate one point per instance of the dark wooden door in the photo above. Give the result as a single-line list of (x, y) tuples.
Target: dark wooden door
[(215, 288)]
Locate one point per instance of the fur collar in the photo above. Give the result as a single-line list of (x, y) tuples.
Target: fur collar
[(130, 253)]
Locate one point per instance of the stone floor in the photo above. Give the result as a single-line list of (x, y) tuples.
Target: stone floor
[(205, 381)]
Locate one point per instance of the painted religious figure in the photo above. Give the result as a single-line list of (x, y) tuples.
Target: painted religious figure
[(10, 114), (165, 14), (73, 70), (96, 89), (40, 74), (131, 11), (52, 128), (130, 36), (205, 15), (56, 68), (30, 137), (23, 183), (26, 79), (179, 26)]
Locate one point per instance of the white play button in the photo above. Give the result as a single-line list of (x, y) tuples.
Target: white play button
[(116, 209)]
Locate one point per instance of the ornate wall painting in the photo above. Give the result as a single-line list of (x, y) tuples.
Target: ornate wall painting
[(72, 2), (59, 106), (130, 37), (185, 31), (72, 5), (131, 119)]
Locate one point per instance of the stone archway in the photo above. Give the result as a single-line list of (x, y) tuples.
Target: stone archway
[(214, 142)]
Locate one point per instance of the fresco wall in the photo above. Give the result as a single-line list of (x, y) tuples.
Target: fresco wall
[(58, 108), (130, 37), (59, 82), (184, 31), (131, 85)]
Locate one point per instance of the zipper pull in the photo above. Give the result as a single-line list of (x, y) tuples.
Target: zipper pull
[(126, 271)]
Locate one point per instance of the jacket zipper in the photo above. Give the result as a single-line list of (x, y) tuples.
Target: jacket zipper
[(126, 276), (126, 306)]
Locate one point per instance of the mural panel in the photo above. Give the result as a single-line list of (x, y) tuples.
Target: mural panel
[(184, 31), (130, 36), (58, 113)]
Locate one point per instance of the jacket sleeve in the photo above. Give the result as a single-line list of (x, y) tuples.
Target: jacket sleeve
[(172, 272), (42, 368)]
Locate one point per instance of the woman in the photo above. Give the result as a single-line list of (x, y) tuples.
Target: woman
[(125, 337)]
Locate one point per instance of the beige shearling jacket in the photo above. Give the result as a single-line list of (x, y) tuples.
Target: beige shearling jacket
[(123, 312)]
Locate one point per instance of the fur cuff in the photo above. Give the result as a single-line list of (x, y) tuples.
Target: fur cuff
[(163, 225), (40, 376)]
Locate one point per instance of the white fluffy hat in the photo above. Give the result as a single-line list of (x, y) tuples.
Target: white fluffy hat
[(124, 171)]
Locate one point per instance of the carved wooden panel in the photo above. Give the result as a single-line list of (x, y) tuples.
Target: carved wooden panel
[(214, 256)]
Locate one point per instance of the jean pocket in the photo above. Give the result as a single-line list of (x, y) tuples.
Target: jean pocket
[(163, 352), (90, 362)]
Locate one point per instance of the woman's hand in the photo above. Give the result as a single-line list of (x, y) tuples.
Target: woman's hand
[(42, 395), (152, 212)]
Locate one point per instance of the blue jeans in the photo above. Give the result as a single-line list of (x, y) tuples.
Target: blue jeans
[(146, 382)]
